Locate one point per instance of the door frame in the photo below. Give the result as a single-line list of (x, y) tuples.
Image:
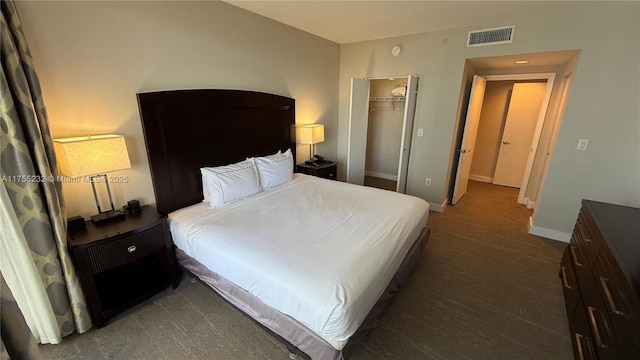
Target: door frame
[(562, 104), (408, 119), (550, 78), (354, 148)]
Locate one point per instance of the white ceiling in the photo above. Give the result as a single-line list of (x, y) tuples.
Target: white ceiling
[(352, 21)]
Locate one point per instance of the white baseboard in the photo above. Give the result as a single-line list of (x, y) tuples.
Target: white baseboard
[(549, 233), (486, 179), (530, 204), (381, 175), (438, 207)]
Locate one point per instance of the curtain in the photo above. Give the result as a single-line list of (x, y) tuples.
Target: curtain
[(35, 261), (19, 342)]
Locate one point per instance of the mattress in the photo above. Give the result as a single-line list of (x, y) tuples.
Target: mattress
[(317, 250)]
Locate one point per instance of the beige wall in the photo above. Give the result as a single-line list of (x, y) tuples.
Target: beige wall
[(93, 57), (602, 105)]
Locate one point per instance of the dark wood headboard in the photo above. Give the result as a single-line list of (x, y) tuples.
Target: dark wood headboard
[(185, 130)]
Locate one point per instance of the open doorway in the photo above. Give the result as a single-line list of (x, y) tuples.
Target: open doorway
[(380, 128), (519, 130), (384, 132), (476, 73), (506, 130)]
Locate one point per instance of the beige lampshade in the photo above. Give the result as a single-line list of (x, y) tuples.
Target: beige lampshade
[(311, 134), (91, 155)]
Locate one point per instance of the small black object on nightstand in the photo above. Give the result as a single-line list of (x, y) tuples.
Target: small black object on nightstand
[(124, 262), (327, 170), (132, 207)]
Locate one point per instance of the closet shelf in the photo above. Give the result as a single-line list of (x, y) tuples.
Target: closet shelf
[(387, 98)]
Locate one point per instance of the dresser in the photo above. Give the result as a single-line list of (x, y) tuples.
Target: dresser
[(600, 274)]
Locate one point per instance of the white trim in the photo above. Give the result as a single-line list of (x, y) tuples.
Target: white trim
[(566, 85), (438, 207), (550, 234), (381, 175), (530, 204), (388, 77), (484, 179)]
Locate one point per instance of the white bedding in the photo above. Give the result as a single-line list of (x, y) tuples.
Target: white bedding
[(318, 250)]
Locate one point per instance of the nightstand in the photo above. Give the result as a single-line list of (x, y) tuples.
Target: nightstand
[(122, 262), (327, 170)]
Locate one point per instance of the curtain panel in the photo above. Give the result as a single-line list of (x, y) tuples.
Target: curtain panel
[(29, 174), (16, 336)]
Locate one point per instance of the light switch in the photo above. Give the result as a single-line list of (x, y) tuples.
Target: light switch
[(582, 144), (420, 132)]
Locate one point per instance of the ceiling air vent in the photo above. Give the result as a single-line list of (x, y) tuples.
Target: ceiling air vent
[(501, 35)]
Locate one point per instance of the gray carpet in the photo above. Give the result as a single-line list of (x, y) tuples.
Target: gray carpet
[(485, 289)]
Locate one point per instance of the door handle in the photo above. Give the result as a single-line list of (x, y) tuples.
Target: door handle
[(464, 151), (506, 142)]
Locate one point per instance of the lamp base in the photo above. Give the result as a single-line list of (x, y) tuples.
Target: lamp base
[(108, 215)]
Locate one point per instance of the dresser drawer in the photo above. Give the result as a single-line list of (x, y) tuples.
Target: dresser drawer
[(569, 282), (592, 241), (581, 339), (581, 264), (620, 302), (126, 250)]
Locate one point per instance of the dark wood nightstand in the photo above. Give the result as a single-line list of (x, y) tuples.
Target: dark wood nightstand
[(122, 262), (327, 170)]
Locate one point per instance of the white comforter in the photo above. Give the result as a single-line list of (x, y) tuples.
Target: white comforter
[(320, 251)]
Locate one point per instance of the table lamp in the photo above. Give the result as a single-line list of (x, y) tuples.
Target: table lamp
[(93, 156), (311, 134)]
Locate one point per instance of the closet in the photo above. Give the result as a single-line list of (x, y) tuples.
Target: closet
[(380, 128)]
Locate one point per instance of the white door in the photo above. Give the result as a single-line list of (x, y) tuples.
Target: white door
[(358, 122), (469, 137), (520, 125), (407, 132)]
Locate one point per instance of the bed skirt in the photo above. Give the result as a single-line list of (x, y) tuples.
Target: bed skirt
[(297, 337)]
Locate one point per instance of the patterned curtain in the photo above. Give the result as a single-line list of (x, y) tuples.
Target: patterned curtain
[(28, 170)]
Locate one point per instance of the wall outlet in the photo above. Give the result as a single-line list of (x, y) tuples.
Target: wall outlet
[(582, 144), (427, 182), (420, 132)]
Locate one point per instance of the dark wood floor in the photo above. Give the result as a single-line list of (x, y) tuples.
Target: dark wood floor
[(380, 183), (484, 289)]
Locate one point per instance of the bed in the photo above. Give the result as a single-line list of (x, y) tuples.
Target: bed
[(313, 261)]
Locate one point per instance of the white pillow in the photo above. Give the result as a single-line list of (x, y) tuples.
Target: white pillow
[(227, 184), (275, 169)]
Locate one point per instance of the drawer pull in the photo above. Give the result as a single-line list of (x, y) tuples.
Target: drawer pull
[(584, 234), (607, 294), (131, 248), (579, 338), (572, 248), (564, 278), (594, 327)]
